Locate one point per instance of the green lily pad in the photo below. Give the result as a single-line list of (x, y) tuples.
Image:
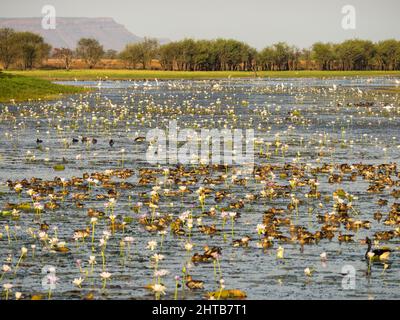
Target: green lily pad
[(128, 219), (6, 213)]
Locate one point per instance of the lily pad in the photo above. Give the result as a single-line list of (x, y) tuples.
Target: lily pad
[(26, 206), (228, 294), (6, 213), (59, 167), (128, 219)]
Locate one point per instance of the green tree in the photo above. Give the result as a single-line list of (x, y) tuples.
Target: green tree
[(355, 54), (323, 54), (131, 55), (65, 55), (306, 57), (167, 55), (266, 59), (8, 47), (141, 52), (283, 54), (31, 49), (111, 54), (148, 51), (90, 50), (388, 54)]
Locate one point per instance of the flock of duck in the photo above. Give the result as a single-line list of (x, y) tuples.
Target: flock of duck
[(79, 195)]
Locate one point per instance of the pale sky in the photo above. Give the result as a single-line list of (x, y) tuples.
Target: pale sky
[(257, 22)]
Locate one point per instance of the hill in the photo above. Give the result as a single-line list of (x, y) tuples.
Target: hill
[(107, 31)]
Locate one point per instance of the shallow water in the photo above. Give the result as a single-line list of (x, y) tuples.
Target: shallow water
[(124, 110)]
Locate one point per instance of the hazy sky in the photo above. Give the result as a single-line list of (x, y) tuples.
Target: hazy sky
[(258, 22)]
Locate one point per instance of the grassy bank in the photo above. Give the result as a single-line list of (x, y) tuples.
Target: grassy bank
[(151, 74), (21, 88)]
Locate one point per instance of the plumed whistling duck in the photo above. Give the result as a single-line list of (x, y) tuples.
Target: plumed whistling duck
[(378, 254)]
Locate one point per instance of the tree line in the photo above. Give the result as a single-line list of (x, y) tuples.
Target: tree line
[(27, 50)]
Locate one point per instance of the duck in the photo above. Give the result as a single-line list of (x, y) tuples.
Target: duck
[(345, 237), (194, 284), (111, 142), (81, 234), (208, 255), (209, 230), (395, 194), (140, 139), (51, 205), (266, 243), (95, 213), (243, 242), (378, 216), (382, 202), (378, 254), (44, 226), (384, 235), (39, 141), (212, 252), (198, 258)]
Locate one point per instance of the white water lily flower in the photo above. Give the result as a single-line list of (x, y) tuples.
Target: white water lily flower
[(158, 288), (157, 257), (161, 273), (308, 272), (78, 282), (92, 260), (188, 246), (279, 252), (7, 286), (261, 228), (370, 255), (129, 239), (151, 245), (6, 268)]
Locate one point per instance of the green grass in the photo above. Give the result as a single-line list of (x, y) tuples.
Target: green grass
[(96, 74), (388, 90), (35, 84), (22, 88)]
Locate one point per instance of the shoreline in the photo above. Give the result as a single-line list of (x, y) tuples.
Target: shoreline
[(18, 88), (125, 74)]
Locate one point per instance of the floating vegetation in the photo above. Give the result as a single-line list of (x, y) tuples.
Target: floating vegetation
[(83, 215)]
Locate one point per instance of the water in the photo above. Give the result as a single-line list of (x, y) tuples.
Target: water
[(333, 125)]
